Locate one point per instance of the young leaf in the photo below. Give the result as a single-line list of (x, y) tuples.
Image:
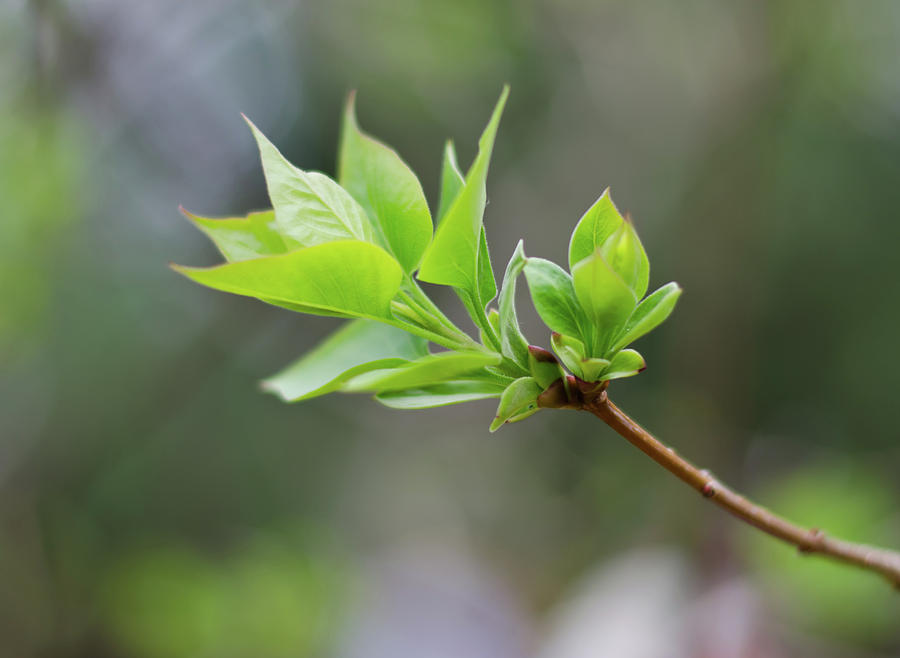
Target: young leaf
[(571, 352), (649, 314), (310, 208), (487, 284), (425, 371), (347, 278), (604, 296), (625, 363), (512, 343), (554, 296), (593, 369), (518, 401), (544, 366), (596, 225), (625, 255), (242, 238), (357, 347), (452, 180), (440, 395), (452, 257), (386, 188)]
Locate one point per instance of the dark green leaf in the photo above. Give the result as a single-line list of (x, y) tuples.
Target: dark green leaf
[(649, 314), (358, 347), (387, 189), (310, 208), (553, 294), (347, 278)]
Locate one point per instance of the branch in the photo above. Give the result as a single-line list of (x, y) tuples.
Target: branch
[(577, 395)]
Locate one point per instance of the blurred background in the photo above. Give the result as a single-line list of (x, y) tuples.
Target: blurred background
[(155, 504)]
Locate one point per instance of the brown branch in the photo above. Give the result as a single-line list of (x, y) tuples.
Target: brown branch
[(578, 395)]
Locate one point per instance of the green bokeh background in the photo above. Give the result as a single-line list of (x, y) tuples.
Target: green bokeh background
[(155, 504)]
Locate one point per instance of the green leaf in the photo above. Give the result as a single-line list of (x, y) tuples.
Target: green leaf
[(387, 189), (440, 395), (425, 371), (544, 366), (487, 284), (604, 296), (553, 294), (625, 255), (649, 314), (518, 401), (357, 347), (596, 225), (513, 343), (452, 258), (242, 238), (593, 369), (349, 278), (625, 363), (570, 351), (452, 180), (310, 208)]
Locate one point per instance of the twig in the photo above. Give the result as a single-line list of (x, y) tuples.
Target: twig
[(578, 395)]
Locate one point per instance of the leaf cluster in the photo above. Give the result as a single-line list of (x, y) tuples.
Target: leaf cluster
[(357, 248)]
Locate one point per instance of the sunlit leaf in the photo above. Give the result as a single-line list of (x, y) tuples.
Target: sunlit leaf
[(553, 294), (310, 208), (452, 180), (347, 278), (518, 401), (596, 225), (625, 255), (440, 395), (452, 258), (242, 238), (649, 314), (425, 371), (358, 347), (387, 189), (487, 284)]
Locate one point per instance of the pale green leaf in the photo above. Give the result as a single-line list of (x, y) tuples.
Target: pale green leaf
[(596, 225), (452, 180), (347, 278), (625, 255), (310, 208), (513, 343), (543, 366), (357, 347), (387, 189), (553, 294), (625, 363), (487, 284), (440, 395), (649, 314), (604, 296), (242, 238), (518, 401), (452, 258), (425, 371)]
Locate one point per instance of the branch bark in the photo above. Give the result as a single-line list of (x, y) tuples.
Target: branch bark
[(578, 395)]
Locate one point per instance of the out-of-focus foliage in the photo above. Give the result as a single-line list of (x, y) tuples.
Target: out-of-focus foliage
[(756, 146)]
